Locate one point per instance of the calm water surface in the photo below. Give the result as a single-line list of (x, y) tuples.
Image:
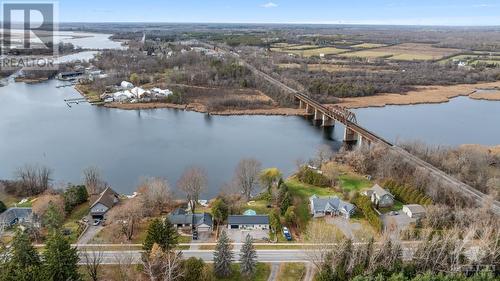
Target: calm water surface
[(36, 126), (460, 121)]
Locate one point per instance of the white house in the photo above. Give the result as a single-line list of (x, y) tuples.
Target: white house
[(126, 85), (256, 222), (414, 211)]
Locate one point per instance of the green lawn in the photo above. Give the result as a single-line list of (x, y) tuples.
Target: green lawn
[(305, 191), (398, 206), (71, 221), (291, 272), (351, 182), (262, 274)]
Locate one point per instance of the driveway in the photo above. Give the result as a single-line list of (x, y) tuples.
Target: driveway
[(393, 224), (90, 233), (239, 235), (348, 227), (203, 237)]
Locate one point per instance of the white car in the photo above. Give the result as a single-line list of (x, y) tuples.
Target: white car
[(96, 222)]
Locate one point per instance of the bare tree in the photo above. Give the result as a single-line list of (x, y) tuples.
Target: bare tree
[(93, 181), (322, 238), (164, 266), (128, 215), (323, 154), (246, 176), (193, 181), (156, 194), (124, 268), (93, 262), (33, 179)]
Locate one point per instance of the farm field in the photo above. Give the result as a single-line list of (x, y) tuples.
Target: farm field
[(406, 51), (335, 67), (309, 52), (472, 58), (368, 45)]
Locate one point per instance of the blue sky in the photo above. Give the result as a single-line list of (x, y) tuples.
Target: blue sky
[(413, 12)]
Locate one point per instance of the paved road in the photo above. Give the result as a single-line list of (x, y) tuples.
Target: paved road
[(267, 256)]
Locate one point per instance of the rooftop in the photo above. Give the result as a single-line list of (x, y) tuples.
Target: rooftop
[(248, 220), (415, 208)]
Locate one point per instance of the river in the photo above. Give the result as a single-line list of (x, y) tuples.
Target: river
[(37, 127), (462, 120)]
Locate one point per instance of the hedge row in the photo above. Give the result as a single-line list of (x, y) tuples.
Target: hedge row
[(407, 194), (364, 204)]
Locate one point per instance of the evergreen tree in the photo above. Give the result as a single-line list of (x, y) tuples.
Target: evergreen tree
[(155, 234), (162, 233), (285, 203), (53, 218), (248, 258), (223, 256), (24, 264), (3, 208), (220, 211), (171, 236), (60, 260)]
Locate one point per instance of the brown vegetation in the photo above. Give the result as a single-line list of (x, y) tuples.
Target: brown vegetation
[(422, 95)]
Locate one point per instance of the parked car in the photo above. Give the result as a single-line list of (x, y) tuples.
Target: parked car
[(393, 213), (286, 234), (195, 235), (96, 222)]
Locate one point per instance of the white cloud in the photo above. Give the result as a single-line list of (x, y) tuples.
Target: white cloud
[(269, 5)]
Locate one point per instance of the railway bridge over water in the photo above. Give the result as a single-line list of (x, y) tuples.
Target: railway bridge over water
[(354, 132)]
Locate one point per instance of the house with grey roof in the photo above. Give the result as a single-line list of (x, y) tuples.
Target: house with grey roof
[(249, 222), (380, 197), (414, 211), (332, 206), (13, 216), (182, 219), (104, 202)]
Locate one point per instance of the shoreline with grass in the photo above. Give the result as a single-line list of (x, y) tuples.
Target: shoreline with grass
[(427, 95)]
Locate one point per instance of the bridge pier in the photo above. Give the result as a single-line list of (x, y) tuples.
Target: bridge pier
[(327, 121), (301, 104), (350, 135), (364, 142), (308, 109), (318, 115)]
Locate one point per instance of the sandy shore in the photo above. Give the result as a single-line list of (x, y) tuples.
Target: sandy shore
[(486, 95), (425, 94), (201, 109)]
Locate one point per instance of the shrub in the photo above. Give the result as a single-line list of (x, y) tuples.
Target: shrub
[(407, 194), (312, 177), (365, 205), (74, 196)]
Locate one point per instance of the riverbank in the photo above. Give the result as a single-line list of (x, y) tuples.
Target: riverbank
[(278, 111), (426, 95)]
